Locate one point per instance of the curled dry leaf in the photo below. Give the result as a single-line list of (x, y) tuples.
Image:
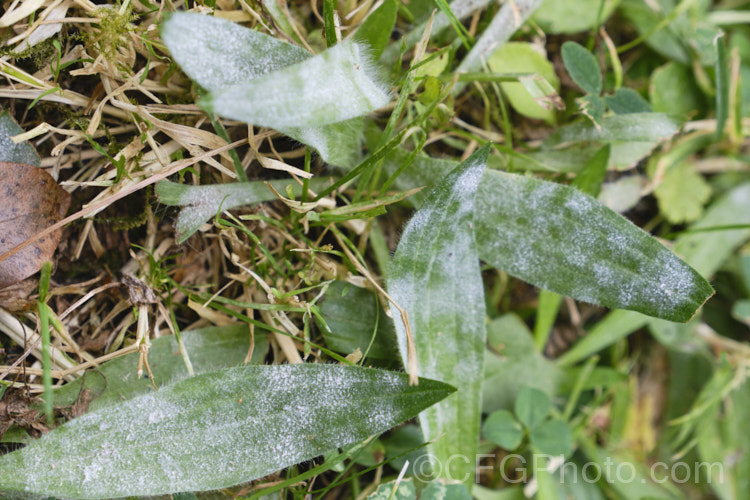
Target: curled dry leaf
[(30, 201)]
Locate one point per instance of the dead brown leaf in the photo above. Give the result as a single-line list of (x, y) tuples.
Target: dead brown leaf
[(30, 201)]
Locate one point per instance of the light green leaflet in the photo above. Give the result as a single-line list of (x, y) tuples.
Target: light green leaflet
[(435, 277), (216, 430), (270, 76)]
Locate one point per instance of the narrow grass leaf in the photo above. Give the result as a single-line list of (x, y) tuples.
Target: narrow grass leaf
[(589, 180), (435, 277), (333, 86), (556, 237), (722, 85), (582, 67), (216, 430)]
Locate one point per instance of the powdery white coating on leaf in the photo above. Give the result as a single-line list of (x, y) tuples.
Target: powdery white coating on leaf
[(632, 127), (203, 202), (216, 430), (557, 238), (10, 151), (217, 53), (435, 277), (333, 86)]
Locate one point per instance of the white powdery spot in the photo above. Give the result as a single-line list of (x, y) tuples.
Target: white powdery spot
[(333, 86), (218, 53)]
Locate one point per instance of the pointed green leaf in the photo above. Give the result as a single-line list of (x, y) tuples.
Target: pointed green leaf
[(556, 237), (376, 30), (333, 86), (582, 67), (435, 277), (9, 150), (215, 430)]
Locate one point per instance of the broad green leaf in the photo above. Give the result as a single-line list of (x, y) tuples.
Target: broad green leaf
[(682, 194), (10, 151), (552, 437), (217, 53), (517, 57), (404, 490), (673, 90), (512, 357), (555, 237), (209, 348), (215, 430), (352, 314), (502, 428), (335, 85), (203, 202), (376, 30), (564, 16), (626, 101), (582, 67), (532, 406), (624, 193), (435, 278)]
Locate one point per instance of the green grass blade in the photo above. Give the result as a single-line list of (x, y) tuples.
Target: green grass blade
[(216, 430), (722, 86), (435, 277)]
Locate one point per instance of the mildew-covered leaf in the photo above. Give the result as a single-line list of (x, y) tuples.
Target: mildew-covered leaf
[(218, 54), (10, 151), (556, 237), (435, 277), (30, 201), (631, 127), (335, 85), (216, 430), (210, 348), (203, 202)]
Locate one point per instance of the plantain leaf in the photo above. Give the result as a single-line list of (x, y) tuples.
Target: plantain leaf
[(435, 277), (219, 54), (582, 67), (216, 430), (556, 237), (333, 86)]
